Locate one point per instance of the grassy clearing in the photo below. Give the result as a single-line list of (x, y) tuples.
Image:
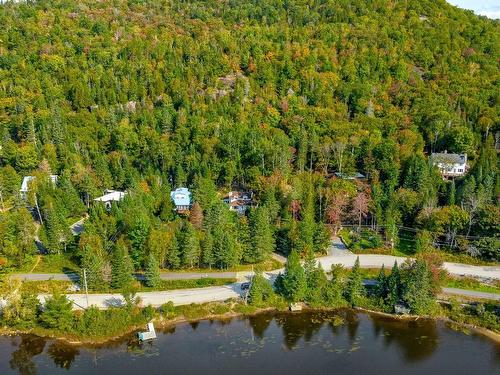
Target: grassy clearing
[(50, 263)]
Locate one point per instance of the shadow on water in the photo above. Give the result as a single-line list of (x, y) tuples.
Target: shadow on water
[(22, 358), (62, 354), (417, 346)]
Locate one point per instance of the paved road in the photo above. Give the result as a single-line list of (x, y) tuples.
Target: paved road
[(339, 254), (178, 297)]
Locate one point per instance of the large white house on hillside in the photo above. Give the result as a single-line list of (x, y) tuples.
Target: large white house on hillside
[(450, 165)]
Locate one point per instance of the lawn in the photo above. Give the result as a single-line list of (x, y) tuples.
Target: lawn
[(55, 263)]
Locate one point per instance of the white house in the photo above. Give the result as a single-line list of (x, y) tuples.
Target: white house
[(182, 199), (239, 201), (111, 196), (23, 192), (449, 164)]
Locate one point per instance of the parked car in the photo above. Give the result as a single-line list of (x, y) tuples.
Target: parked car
[(245, 286)]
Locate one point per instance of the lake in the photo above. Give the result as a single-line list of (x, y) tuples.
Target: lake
[(298, 343)]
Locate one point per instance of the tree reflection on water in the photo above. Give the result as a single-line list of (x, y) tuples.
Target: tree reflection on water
[(21, 359)]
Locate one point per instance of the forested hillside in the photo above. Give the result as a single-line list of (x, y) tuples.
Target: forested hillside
[(270, 96)]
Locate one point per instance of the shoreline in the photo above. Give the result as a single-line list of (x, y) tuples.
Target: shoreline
[(163, 324)]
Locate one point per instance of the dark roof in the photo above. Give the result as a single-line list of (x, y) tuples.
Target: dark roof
[(449, 158)]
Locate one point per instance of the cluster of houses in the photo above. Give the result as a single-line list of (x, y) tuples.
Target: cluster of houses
[(449, 164)]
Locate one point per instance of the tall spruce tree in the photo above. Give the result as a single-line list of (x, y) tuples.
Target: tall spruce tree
[(152, 274), (190, 250), (121, 267), (417, 287), (173, 257), (393, 286), (355, 290), (261, 236), (93, 265), (292, 284)]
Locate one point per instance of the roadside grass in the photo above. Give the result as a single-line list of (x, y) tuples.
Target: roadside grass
[(469, 283), (65, 287), (266, 265)]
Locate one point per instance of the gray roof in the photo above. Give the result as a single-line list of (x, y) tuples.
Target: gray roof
[(449, 158)]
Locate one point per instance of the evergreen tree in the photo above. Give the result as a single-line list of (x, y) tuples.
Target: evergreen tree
[(307, 227), (173, 257), (93, 266), (354, 291), (381, 289), (393, 286), (152, 273), (207, 245), (261, 237), (315, 281), (57, 313), (190, 249), (138, 236), (293, 284), (260, 290), (335, 287), (417, 287), (121, 267)]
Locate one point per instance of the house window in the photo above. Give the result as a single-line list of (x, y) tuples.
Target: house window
[(460, 170)]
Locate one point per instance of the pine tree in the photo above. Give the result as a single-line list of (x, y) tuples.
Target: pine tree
[(307, 226), (173, 257), (381, 289), (152, 274), (190, 249), (260, 290), (417, 288), (261, 237), (335, 287), (121, 267), (293, 285), (93, 265), (393, 286), (207, 246), (354, 289), (315, 280)]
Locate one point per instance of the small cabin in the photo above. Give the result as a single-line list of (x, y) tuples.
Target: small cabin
[(239, 201), (111, 196), (23, 192), (182, 199)]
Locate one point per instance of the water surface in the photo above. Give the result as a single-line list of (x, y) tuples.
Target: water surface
[(304, 343)]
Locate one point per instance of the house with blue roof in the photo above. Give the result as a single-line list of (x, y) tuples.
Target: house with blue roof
[(182, 199)]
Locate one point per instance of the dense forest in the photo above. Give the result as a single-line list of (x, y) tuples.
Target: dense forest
[(285, 98)]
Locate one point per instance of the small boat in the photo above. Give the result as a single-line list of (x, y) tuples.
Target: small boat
[(150, 334)]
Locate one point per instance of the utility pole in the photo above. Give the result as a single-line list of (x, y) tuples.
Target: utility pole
[(85, 284)]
